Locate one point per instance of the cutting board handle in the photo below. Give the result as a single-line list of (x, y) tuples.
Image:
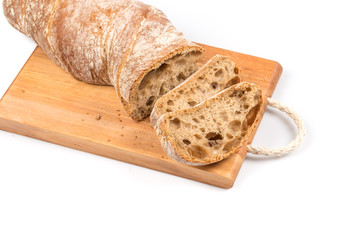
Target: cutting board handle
[(291, 146)]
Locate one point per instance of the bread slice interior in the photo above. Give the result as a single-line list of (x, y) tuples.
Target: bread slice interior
[(216, 75), (161, 80), (214, 129)]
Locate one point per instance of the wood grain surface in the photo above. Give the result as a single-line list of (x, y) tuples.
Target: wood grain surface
[(46, 103)]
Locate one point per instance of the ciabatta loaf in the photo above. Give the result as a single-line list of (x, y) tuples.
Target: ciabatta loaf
[(124, 43), (216, 75), (214, 129)]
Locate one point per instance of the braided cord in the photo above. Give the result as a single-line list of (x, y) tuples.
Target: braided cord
[(291, 146)]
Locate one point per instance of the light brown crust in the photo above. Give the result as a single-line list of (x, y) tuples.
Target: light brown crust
[(176, 153), (113, 42)]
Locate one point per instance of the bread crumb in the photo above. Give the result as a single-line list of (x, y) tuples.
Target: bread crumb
[(98, 117)]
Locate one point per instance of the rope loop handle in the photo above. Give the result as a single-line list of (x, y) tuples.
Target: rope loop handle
[(291, 146)]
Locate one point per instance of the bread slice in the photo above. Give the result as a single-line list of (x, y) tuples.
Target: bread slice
[(160, 81), (214, 129), (216, 75)]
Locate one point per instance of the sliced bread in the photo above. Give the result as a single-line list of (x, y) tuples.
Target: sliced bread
[(216, 75), (214, 129)]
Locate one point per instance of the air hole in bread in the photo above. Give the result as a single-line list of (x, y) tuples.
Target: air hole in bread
[(141, 110), (246, 106), (196, 120), (237, 112), (192, 103), (248, 89), (230, 145), (170, 102), (229, 136), (193, 54), (233, 81), (251, 116), (201, 78), (214, 85), (237, 94), (162, 90), (181, 91), (146, 80), (214, 136), (197, 151), (202, 117), (187, 142), (235, 125), (175, 123), (219, 73), (202, 129), (163, 67), (150, 101), (244, 126), (181, 77), (212, 143), (236, 70), (168, 110), (197, 136)]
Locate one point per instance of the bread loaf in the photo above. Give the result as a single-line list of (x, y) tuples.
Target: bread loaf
[(214, 129), (216, 75), (124, 43)]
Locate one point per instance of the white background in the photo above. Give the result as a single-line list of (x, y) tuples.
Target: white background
[(52, 192)]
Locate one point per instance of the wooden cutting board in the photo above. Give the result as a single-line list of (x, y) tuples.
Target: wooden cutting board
[(46, 103)]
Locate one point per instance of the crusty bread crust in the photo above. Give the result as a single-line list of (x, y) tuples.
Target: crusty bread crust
[(113, 42), (180, 152)]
